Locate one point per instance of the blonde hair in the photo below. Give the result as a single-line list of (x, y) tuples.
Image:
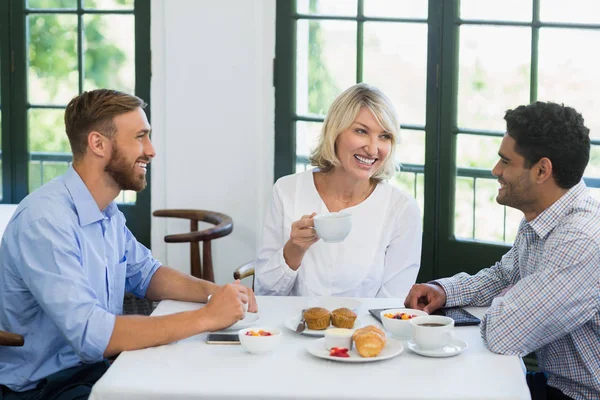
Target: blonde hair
[(341, 115)]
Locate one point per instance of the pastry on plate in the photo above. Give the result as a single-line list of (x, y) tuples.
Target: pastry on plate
[(343, 318), (369, 341), (317, 318)]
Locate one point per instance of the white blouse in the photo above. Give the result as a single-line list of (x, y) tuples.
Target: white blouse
[(379, 258)]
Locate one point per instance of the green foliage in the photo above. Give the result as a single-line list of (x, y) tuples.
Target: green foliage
[(322, 89), (53, 62)]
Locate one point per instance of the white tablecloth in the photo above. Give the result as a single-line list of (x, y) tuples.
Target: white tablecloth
[(193, 369)]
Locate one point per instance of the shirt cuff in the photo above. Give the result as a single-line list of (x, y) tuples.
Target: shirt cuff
[(100, 327), (452, 290)]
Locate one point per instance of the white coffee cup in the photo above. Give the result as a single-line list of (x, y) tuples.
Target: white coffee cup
[(333, 227), (432, 332), (245, 305)]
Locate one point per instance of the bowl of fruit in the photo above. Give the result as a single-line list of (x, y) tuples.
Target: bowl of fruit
[(397, 321), (260, 340)]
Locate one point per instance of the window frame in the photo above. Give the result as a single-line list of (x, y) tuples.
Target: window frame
[(15, 106)]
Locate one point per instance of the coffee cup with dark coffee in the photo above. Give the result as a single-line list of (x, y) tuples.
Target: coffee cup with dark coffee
[(432, 332)]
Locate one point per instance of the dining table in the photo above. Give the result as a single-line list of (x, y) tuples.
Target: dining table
[(193, 369)]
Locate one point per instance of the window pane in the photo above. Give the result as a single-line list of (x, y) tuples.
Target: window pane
[(582, 11), (477, 151), (413, 183), (593, 168), (396, 8), (52, 72), (411, 149), (327, 7), (505, 10), (108, 4), (307, 134), (326, 63), (46, 131), (52, 4), (395, 60), (463, 208), (493, 76), (568, 72), (595, 192), (109, 43)]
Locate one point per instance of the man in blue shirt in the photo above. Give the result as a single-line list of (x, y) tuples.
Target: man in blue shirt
[(67, 258)]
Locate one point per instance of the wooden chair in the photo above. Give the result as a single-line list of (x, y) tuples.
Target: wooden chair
[(245, 271), (11, 339), (223, 227)]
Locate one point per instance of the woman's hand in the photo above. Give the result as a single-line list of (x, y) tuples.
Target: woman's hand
[(302, 236)]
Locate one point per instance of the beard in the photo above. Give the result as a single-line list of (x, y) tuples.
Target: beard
[(123, 173)]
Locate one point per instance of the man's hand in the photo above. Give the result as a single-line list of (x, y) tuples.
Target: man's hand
[(427, 297), (226, 306), (252, 305)]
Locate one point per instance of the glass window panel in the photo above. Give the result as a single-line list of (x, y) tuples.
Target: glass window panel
[(413, 183), (477, 151), (46, 131), (43, 171), (395, 60), (411, 149), (494, 65), (494, 10), (463, 208), (593, 168), (126, 197), (109, 43), (325, 63), (52, 4), (327, 7), (307, 135), (595, 192), (513, 219), (568, 72), (52, 72), (577, 11), (489, 215), (396, 8), (108, 4)]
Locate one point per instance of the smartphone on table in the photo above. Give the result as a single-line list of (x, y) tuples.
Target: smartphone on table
[(223, 338), (460, 316)]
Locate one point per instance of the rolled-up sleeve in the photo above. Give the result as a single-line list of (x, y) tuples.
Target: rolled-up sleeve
[(49, 260), (141, 266)]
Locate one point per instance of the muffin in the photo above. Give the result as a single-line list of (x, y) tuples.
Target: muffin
[(343, 318), (317, 318)]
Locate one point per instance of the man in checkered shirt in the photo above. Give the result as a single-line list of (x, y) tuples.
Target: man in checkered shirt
[(544, 294)]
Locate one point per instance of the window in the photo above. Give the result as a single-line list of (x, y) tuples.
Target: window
[(452, 69), (51, 50)]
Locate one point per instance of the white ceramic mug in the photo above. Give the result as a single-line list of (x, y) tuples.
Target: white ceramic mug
[(245, 305), (432, 332), (333, 227)]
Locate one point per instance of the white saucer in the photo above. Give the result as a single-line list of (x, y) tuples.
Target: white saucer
[(249, 320), (292, 323), (453, 348), (392, 348)]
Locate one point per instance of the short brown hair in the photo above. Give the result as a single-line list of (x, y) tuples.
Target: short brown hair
[(94, 111)]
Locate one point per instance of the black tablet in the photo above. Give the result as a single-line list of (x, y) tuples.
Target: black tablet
[(460, 316)]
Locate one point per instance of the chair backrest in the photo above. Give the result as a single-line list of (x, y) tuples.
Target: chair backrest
[(223, 227), (244, 271)]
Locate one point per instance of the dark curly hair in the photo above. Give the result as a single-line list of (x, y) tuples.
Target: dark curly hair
[(554, 131)]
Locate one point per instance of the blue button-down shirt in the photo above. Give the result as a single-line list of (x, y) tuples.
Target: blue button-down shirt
[(554, 305), (64, 268)]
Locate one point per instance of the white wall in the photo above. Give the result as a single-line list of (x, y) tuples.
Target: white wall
[(213, 121)]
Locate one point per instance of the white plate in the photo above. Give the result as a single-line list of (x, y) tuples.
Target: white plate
[(249, 320), (392, 348), (455, 347), (292, 324)]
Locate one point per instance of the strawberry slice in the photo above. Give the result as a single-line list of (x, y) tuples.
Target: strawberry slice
[(339, 352)]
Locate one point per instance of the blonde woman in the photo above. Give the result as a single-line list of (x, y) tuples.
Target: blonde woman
[(381, 255)]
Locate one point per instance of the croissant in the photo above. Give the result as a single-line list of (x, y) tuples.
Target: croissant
[(369, 341)]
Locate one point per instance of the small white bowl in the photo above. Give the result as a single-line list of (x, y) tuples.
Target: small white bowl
[(260, 344), (400, 328), (338, 337)]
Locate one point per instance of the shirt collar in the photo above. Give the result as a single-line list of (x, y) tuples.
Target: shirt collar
[(544, 223), (87, 208)]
